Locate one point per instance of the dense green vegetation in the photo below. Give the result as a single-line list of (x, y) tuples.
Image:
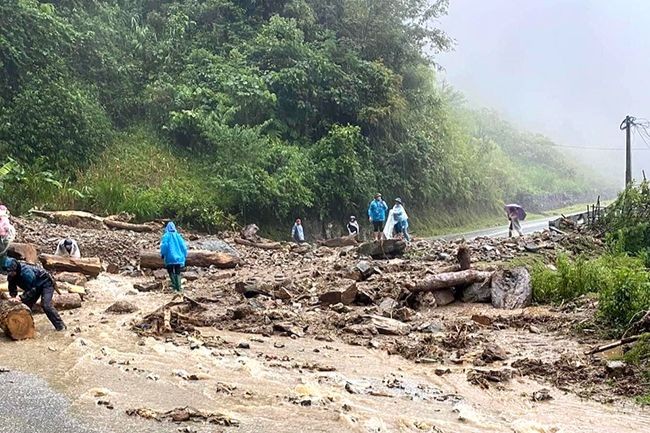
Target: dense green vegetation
[(213, 111)]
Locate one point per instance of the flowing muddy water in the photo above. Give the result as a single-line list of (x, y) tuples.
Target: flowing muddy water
[(280, 384)]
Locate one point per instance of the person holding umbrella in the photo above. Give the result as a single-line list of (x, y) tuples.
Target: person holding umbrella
[(515, 214)]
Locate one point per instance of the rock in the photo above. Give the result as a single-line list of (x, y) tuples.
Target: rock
[(160, 274), (404, 314), (340, 308), (215, 245), (282, 293), (511, 288), (481, 319), (345, 296), (443, 297), (75, 278), (363, 298), (362, 271), (493, 353), (440, 371), (148, 287), (542, 395), (244, 345), (387, 305), (25, 252), (191, 275), (387, 326), (616, 368), (122, 307), (287, 329), (387, 249), (477, 292), (112, 268)]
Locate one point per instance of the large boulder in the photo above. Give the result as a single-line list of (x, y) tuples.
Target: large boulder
[(386, 249), (511, 288), (477, 292)]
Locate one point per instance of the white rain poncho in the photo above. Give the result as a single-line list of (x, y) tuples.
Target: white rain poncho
[(63, 252)]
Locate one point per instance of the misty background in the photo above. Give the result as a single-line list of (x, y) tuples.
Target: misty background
[(569, 69)]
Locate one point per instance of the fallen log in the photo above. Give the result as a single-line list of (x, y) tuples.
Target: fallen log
[(72, 218), (16, 320), (385, 249), (200, 258), (90, 266), (450, 279), (62, 302), (261, 245), (343, 241), (121, 225), (615, 344), (24, 252)]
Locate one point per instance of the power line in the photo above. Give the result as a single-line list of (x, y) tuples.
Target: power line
[(593, 148)]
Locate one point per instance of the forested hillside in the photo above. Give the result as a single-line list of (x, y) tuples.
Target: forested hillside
[(216, 111)]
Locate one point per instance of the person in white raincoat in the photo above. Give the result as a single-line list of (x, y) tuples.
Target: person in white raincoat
[(68, 248)]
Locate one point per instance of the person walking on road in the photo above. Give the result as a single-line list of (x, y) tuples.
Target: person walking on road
[(36, 283), (515, 215), (173, 251), (377, 215)]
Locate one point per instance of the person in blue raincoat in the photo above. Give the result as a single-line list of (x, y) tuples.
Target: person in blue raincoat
[(377, 215), (173, 251)]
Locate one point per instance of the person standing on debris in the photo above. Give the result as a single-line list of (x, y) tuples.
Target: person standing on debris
[(515, 215), (7, 231), (297, 232), (377, 215), (401, 220), (173, 251), (36, 283), (353, 226), (68, 248)]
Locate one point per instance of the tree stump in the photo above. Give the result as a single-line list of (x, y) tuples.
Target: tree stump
[(16, 320)]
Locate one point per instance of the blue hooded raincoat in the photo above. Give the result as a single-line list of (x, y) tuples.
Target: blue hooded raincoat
[(172, 246)]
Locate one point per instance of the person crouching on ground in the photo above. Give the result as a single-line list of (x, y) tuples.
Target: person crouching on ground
[(68, 248), (377, 215), (173, 251), (353, 227), (36, 283), (298, 232)]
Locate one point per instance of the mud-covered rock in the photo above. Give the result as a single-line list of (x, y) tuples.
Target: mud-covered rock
[(511, 288), (477, 292)]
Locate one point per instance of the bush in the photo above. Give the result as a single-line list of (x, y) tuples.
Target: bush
[(622, 284)]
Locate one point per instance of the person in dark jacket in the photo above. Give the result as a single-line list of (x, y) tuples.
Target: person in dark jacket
[(173, 251), (36, 283)]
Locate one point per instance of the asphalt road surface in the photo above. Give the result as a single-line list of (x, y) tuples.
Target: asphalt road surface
[(29, 405), (527, 227)]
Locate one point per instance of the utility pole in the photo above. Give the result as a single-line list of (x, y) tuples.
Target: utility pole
[(628, 121)]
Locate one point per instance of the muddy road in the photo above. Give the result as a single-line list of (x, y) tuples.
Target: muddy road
[(274, 383)]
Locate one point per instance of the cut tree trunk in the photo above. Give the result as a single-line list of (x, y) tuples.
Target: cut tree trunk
[(261, 245), (121, 225), (16, 320), (464, 258), (343, 241), (200, 258), (62, 302), (451, 279), (383, 249), (24, 252), (91, 266)]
